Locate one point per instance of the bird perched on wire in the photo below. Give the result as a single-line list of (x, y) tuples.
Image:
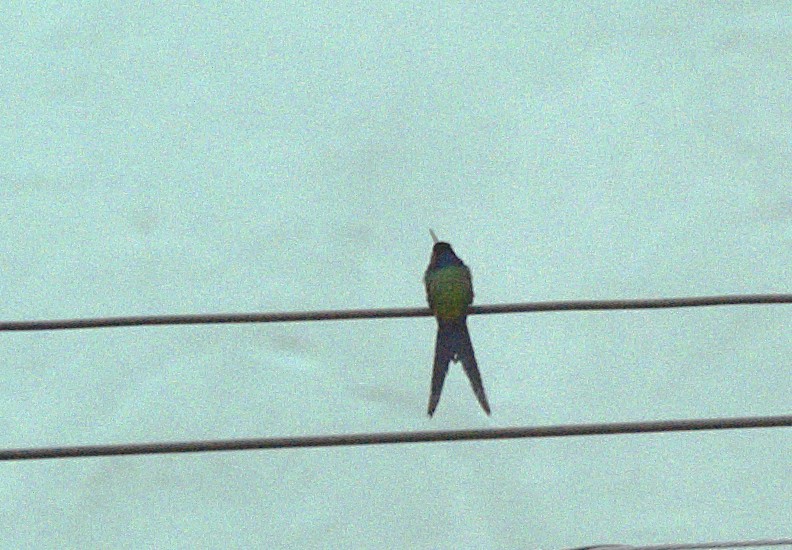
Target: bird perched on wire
[(449, 291)]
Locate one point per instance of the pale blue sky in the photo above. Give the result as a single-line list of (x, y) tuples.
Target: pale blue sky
[(163, 159)]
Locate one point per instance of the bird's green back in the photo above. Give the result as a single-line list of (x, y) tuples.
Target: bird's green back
[(449, 291)]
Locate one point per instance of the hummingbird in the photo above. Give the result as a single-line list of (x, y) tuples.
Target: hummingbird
[(449, 291)]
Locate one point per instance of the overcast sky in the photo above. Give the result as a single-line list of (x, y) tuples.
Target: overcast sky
[(162, 159)]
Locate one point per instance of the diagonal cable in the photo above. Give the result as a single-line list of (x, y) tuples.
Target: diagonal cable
[(692, 546)]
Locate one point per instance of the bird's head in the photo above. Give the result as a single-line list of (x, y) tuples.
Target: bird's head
[(443, 255)]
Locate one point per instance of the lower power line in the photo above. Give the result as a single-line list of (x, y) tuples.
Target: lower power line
[(399, 437)]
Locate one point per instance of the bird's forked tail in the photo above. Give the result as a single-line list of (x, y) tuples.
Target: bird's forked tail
[(453, 344)]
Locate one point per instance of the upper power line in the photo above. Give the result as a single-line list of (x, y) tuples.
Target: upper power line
[(280, 317)]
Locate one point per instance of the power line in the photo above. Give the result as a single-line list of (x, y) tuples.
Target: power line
[(692, 546), (399, 437), (337, 315)]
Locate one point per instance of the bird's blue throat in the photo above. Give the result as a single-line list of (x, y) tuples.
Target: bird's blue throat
[(447, 258)]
